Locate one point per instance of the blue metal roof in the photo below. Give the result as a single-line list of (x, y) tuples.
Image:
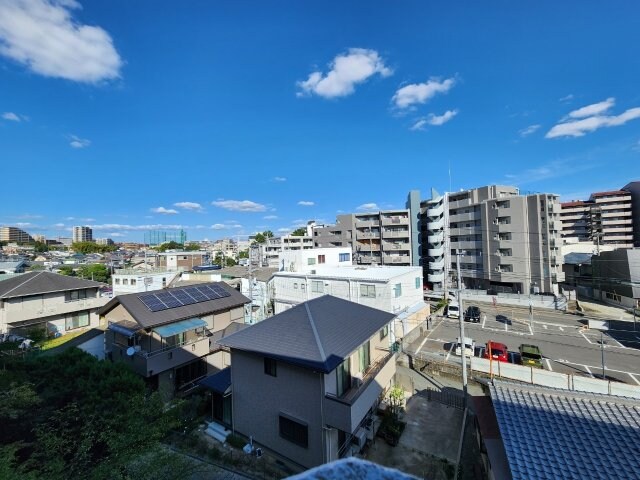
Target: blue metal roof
[(126, 328), (179, 327), (218, 382)]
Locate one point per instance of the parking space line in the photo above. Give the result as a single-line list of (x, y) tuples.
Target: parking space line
[(632, 375), (548, 364), (422, 344), (530, 330), (561, 329), (585, 337), (505, 326), (544, 326), (588, 371), (484, 320), (449, 353), (619, 344)]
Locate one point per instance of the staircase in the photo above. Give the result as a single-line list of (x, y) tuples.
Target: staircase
[(217, 431)]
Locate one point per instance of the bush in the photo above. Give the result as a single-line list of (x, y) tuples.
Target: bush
[(236, 441)]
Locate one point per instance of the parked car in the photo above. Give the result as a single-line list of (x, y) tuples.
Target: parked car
[(469, 347), (496, 351), (472, 314), (530, 356), (453, 310)]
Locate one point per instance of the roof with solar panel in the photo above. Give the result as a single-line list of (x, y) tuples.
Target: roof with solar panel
[(551, 433), (160, 307)]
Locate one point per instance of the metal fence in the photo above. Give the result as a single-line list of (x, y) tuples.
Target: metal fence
[(446, 397)]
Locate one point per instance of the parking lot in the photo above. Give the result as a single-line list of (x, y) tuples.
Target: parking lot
[(567, 345)]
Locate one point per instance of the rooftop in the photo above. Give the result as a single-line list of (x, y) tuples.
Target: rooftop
[(380, 273), (35, 283)]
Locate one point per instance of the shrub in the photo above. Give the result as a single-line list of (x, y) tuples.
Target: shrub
[(236, 441)]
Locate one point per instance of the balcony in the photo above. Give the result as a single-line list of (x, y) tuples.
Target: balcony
[(346, 412), (436, 251), (435, 211), (435, 238), (396, 259), (435, 277), (26, 311), (367, 223), (436, 265), (435, 224), (396, 234), (396, 246), (395, 221), (368, 247), (464, 217)]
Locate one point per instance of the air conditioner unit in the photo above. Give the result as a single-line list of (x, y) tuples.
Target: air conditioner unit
[(359, 438)]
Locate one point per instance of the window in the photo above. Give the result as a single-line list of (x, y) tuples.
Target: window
[(125, 281), (384, 332), (133, 281), (343, 378), (303, 287), (344, 257), (117, 281), (364, 356), (368, 291), (270, 367), (294, 431), (397, 290), (77, 320), (311, 261), (295, 286), (317, 286), (321, 259), (76, 295), (418, 282)]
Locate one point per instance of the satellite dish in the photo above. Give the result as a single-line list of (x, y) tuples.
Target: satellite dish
[(131, 351)]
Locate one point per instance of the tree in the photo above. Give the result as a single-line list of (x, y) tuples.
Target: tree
[(96, 271), (91, 247), (40, 247), (243, 254), (299, 232), (262, 237), (67, 270), (169, 246), (268, 233), (192, 247)]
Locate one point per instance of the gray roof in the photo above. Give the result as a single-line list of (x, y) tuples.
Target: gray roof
[(318, 334), (148, 319), (35, 283), (576, 258), (262, 274), (559, 434)]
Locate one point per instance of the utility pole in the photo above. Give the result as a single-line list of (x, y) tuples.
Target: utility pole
[(461, 320), (602, 353)]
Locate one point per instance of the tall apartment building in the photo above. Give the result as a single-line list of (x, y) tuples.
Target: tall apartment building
[(606, 219), (82, 234), (268, 253), (376, 238), (634, 189), (104, 241), (507, 242), (14, 235)]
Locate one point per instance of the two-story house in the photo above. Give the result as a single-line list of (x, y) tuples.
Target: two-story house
[(305, 383), (169, 336), (47, 301)]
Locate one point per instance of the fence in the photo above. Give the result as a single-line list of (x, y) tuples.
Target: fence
[(446, 397)]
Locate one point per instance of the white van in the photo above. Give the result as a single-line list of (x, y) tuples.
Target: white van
[(453, 310), (469, 347)]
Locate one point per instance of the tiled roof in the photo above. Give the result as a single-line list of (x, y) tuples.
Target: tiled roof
[(558, 434), (35, 283), (318, 334), (148, 319)]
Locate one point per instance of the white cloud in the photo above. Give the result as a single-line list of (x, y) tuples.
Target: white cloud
[(283, 230), (223, 226), (306, 203), (567, 98), (593, 109), (368, 207), (116, 235), (279, 179), (419, 125), (414, 93), (270, 217), (164, 211), (189, 206), (240, 205), (593, 121), (13, 117), (59, 225), (43, 36), (434, 120), (23, 224), (77, 142), (346, 71), (529, 130), (157, 226), (553, 169)]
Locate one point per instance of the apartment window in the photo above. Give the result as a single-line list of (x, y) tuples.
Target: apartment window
[(294, 431), (76, 295), (418, 282), (303, 287), (295, 286), (317, 286), (364, 356), (270, 367), (133, 281), (397, 290), (384, 332), (343, 378), (311, 261), (344, 257), (76, 320), (125, 281), (506, 268), (117, 280), (613, 296), (368, 291), (504, 220), (321, 259)]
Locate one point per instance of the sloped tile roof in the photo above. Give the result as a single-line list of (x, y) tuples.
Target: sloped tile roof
[(35, 283), (559, 434), (318, 334)]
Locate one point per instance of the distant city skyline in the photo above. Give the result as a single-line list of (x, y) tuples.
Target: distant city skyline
[(225, 119)]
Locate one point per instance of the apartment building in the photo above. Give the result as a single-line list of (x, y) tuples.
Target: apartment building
[(14, 235), (634, 189), (306, 383), (507, 241), (57, 304), (135, 280), (169, 337), (269, 252), (181, 261), (605, 219), (104, 241), (376, 238), (82, 234)]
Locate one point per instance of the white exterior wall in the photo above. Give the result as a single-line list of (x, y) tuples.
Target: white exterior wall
[(305, 261), (140, 281), (292, 288)]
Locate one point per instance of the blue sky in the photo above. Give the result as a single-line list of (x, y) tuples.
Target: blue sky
[(227, 118)]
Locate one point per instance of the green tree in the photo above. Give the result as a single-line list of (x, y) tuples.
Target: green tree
[(260, 238), (243, 254), (268, 233), (96, 271), (91, 247), (169, 246), (67, 270), (192, 247), (299, 232), (40, 247)]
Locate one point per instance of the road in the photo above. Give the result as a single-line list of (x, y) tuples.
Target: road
[(566, 344)]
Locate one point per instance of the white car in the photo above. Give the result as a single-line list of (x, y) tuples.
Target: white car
[(469, 347), (453, 310)]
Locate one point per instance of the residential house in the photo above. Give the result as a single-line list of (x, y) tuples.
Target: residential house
[(44, 300), (168, 337), (305, 383), (617, 277), (181, 261), (135, 280)]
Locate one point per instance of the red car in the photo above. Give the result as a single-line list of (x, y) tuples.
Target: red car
[(497, 351)]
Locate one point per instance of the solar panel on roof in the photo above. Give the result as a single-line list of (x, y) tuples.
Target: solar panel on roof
[(152, 302), (169, 300), (220, 291), (204, 290), (210, 292), (196, 294), (157, 302), (184, 297)]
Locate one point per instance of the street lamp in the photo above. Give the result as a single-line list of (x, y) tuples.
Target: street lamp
[(602, 326)]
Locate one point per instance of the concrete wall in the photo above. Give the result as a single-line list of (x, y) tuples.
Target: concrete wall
[(295, 392), (304, 261)]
